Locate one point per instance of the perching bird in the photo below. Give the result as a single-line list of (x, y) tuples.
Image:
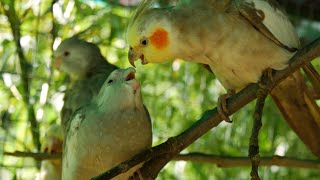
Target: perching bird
[(238, 39), (112, 128), (51, 169), (88, 70)]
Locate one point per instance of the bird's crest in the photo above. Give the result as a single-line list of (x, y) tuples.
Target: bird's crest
[(142, 8)]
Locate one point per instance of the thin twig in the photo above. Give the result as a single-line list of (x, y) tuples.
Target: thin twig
[(220, 161), (254, 139), (257, 123), (229, 161), (37, 156)]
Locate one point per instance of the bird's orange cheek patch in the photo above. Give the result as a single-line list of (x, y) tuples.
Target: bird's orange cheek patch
[(159, 38)]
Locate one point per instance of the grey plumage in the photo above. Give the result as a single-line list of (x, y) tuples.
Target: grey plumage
[(112, 128), (88, 70)]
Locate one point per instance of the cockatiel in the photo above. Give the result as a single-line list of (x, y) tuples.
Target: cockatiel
[(88, 70), (238, 39), (112, 128), (53, 140)]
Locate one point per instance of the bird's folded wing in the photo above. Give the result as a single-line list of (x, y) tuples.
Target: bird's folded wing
[(269, 19), (77, 117), (81, 94)]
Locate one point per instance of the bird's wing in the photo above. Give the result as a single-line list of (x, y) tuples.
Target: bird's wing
[(271, 20), (77, 117), (72, 125), (79, 95), (266, 16), (83, 91), (149, 120)]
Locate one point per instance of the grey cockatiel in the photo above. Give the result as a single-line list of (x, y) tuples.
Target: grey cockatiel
[(112, 128), (238, 39), (52, 143), (88, 70)]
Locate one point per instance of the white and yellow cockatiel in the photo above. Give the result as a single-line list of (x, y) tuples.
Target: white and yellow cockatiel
[(218, 33), (238, 39), (113, 127)]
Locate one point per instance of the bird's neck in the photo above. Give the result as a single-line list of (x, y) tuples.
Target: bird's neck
[(99, 66)]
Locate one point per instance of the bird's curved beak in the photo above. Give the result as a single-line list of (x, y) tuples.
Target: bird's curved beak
[(134, 56), (57, 62)]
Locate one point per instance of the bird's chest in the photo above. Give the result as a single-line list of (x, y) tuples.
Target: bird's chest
[(236, 52), (110, 139), (235, 71), (239, 64), (108, 135)]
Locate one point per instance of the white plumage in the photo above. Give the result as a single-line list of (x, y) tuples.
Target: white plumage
[(277, 23)]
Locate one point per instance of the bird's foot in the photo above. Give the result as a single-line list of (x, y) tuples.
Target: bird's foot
[(266, 79), (222, 106), (136, 175)]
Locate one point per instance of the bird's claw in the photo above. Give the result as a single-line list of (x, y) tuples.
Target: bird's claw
[(222, 106), (266, 79), (136, 175)]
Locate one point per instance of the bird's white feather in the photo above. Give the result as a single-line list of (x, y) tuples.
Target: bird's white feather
[(278, 23)]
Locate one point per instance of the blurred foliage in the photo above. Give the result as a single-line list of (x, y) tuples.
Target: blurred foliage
[(176, 94)]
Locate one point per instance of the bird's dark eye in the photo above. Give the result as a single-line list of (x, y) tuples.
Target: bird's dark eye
[(66, 53), (110, 81), (131, 48), (144, 42)]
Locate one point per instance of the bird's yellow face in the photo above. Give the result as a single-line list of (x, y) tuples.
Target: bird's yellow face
[(149, 41)]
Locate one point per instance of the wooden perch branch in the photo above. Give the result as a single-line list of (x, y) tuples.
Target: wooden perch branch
[(220, 161), (227, 161), (157, 157)]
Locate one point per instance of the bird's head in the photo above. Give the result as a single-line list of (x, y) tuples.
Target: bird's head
[(75, 57), (121, 90), (149, 36)]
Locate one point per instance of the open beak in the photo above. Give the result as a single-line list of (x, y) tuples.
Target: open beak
[(131, 73), (133, 56)]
